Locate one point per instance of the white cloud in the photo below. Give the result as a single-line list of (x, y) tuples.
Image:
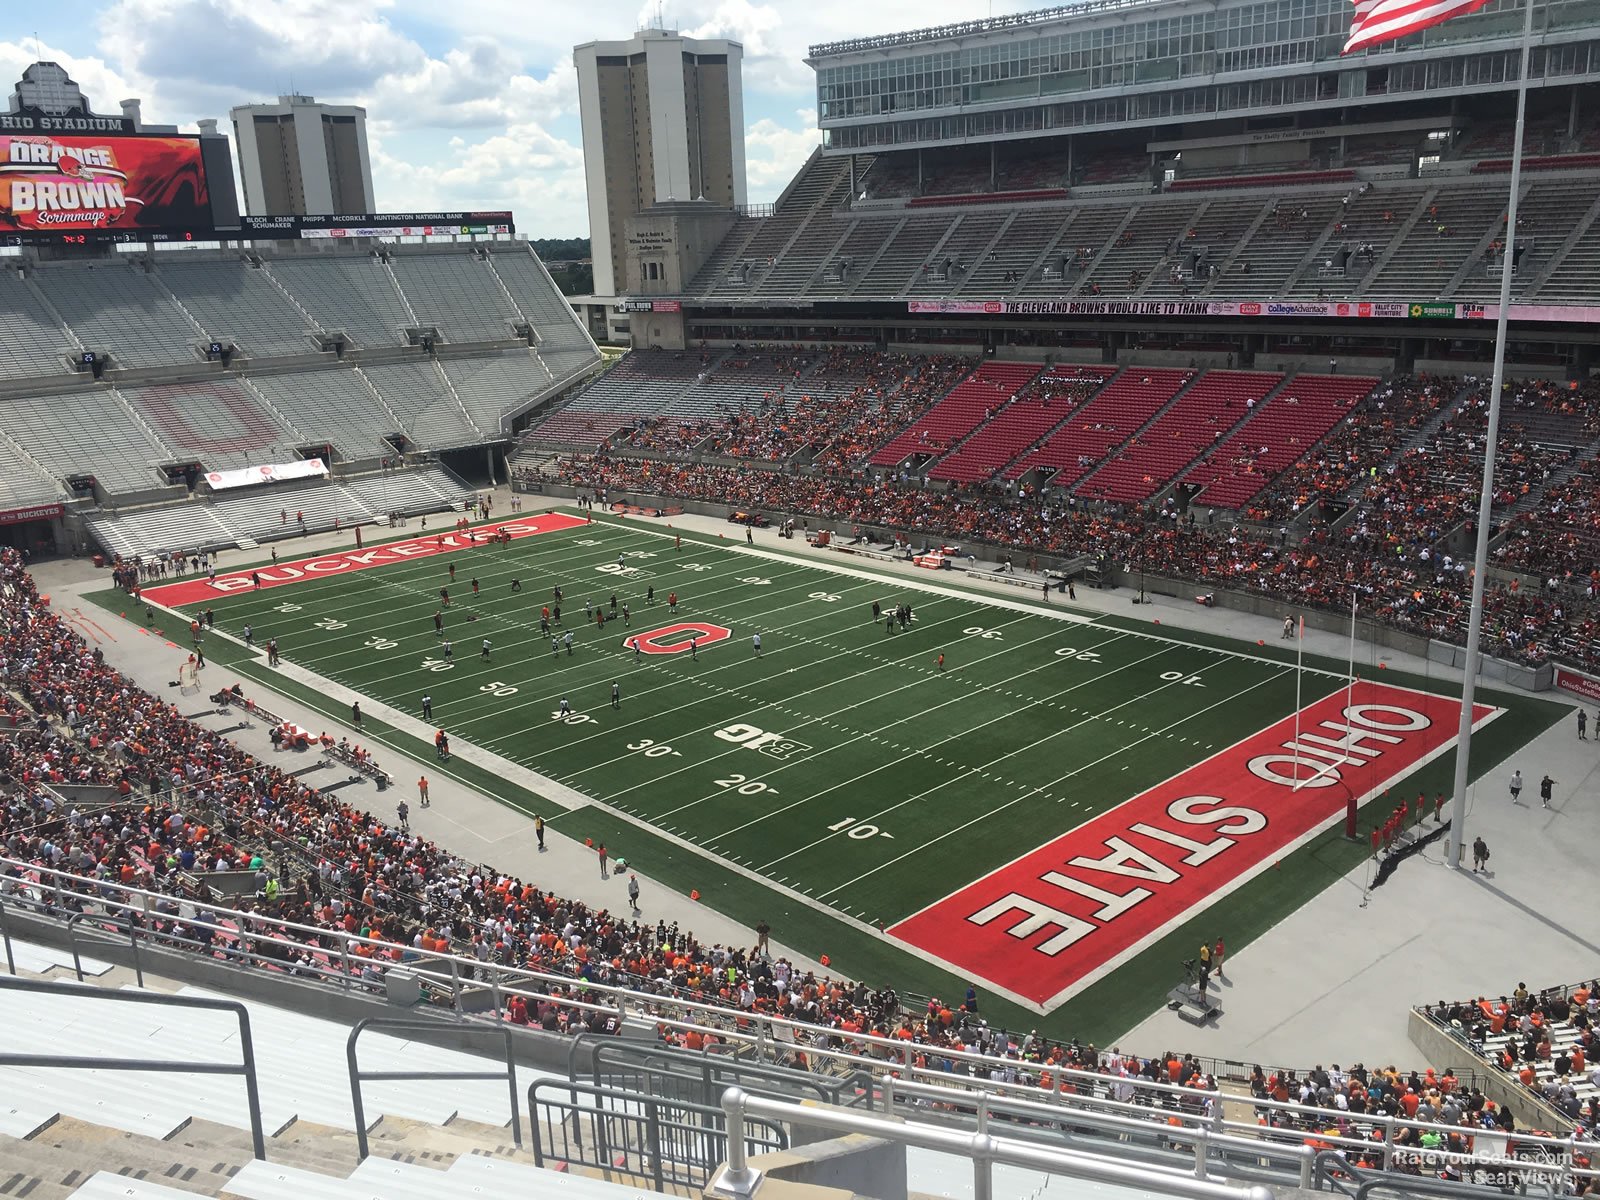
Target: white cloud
[(470, 105), (102, 83), (526, 169), (774, 152)]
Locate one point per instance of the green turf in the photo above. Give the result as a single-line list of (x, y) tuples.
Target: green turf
[(898, 781)]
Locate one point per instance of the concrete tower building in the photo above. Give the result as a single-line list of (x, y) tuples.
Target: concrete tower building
[(663, 119), (301, 157)]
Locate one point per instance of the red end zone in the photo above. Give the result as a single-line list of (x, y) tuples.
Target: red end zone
[(340, 562), (1061, 916)]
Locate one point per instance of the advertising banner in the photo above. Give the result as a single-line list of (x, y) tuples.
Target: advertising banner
[(346, 225), (34, 512), (1577, 683), (1166, 308), (71, 184), (1336, 309), (269, 473)]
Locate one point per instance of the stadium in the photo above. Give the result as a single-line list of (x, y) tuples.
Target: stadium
[(971, 701)]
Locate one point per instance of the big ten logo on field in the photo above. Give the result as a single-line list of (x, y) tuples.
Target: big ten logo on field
[(752, 737), (676, 639)]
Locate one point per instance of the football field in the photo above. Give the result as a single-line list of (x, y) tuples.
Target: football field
[(1007, 789)]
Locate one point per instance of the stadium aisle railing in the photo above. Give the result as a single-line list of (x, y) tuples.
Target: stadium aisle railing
[(355, 963)]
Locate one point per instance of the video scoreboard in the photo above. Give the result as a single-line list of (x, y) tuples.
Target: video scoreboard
[(75, 189)]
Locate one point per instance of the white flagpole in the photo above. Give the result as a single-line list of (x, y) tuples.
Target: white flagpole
[(1299, 661), (1350, 680), (1456, 838)]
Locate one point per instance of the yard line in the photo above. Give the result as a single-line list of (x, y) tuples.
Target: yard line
[(918, 849), (1045, 610), (763, 707), (952, 737), (954, 778), (676, 680)]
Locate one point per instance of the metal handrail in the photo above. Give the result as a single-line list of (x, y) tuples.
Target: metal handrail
[(358, 1076), (708, 1118), (1206, 1130), (739, 1178), (876, 1055), (246, 1067)]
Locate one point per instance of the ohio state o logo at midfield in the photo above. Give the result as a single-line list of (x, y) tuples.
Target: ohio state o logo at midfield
[(674, 639)]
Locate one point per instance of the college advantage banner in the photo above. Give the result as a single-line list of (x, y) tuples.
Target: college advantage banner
[(66, 184)]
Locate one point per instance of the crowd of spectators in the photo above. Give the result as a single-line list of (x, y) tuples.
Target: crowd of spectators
[(1408, 463), (1358, 447), (189, 802), (1559, 541), (193, 802), (1546, 1039)]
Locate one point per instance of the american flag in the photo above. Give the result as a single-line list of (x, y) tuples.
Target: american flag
[(1378, 21)]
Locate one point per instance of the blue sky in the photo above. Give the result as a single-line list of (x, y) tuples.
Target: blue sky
[(471, 104)]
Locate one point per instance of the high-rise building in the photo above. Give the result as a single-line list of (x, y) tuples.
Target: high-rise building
[(298, 156), (663, 119)]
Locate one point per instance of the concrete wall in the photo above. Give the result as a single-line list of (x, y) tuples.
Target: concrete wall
[(677, 239), (1437, 1046), (1317, 364), (315, 998), (855, 1164)]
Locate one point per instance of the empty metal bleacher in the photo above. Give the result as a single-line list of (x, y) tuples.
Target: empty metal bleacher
[(87, 433), (429, 415), (352, 295), (115, 307), (458, 294), (217, 421), (31, 341), (239, 303)]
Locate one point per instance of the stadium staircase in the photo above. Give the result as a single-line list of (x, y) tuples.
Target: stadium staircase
[(970, 403), (1282, 256), (1199, 418), (1016, 247), (821, 185), (1543, 204), (966, 238), (23, 479), (1298, 416), (1236, 252), (1364, 217), (1023, 423), (1102, 233), (990, 249), (1116, 413), (257, 265), (394, 282), (1575, 261), (1216, 226), (160, 284), (450, 389), (721, 266), (278, 414), (877, 244)]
